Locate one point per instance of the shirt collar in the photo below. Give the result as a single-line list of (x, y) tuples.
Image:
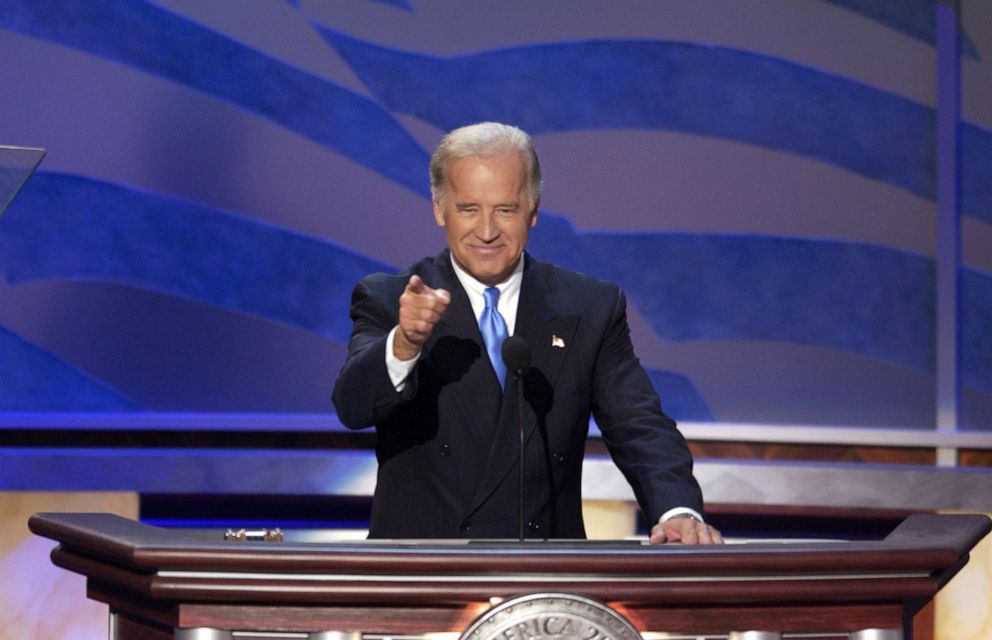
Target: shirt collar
[(510, 286)]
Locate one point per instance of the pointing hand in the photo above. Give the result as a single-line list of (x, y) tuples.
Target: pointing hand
[(420, 309)]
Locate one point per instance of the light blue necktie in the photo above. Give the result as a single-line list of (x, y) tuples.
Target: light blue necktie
[(494, 333)]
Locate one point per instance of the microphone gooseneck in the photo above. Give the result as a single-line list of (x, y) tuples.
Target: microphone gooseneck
[(516, 357)]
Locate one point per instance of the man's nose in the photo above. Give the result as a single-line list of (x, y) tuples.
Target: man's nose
[(487, 229)]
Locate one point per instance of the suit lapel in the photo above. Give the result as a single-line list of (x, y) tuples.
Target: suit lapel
[(477, 395), (547, 329)]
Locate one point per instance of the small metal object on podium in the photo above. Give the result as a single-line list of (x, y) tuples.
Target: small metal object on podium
[(253, 535), (754, 635), (335, 635)]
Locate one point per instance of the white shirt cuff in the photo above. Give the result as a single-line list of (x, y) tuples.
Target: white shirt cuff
[(399, 370), (678, 511)]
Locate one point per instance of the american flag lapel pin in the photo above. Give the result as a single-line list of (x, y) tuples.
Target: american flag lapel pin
[(557, 342)]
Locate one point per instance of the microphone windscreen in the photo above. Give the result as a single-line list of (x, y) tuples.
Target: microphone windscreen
[(516, 355)]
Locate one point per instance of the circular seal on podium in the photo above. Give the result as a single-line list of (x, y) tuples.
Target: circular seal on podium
[(550, 616)]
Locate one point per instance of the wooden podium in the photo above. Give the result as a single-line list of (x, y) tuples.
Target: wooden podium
[(160, 583)]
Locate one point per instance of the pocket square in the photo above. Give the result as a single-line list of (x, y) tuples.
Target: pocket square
[(557, 342)]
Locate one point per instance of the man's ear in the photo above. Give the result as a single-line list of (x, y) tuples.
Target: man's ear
[(438, 213), (533, 214)]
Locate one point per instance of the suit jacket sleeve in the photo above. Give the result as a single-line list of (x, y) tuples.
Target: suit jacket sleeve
[(643, 441), (363, 393)]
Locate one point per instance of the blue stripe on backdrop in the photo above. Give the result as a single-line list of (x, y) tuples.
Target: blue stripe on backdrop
[(33, 380), (156, 41), (399, 4), (865, 299), (868, 300), (685, 87), (679, 397), (96, 231)]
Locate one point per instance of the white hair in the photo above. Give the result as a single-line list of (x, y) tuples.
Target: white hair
[(484, 139)]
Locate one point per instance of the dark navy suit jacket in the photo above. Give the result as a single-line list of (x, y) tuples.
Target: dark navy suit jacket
[(448, 444)]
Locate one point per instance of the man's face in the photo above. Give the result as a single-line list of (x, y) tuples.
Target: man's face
[(487, 214)]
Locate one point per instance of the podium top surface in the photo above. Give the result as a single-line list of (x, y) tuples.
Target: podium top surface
[(924, 542), (165, 567), (16, 166)]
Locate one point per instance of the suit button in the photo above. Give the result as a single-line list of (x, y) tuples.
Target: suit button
[(533, 526), (445, 450), (557, 457), (465, 525)]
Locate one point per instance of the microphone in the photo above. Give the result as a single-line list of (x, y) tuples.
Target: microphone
[(516, 357)]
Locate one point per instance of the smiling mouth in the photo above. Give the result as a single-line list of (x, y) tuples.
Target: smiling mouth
[(486, 248)]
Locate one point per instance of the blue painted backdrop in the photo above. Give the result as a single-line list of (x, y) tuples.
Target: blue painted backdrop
[(759, 177)]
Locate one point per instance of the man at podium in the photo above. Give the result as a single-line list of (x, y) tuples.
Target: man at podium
[(426, 367)]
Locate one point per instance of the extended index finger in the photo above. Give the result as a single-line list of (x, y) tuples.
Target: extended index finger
[(415, 285)]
